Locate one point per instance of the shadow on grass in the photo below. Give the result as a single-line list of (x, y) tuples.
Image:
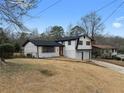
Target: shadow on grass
[(14, 68), (46, 72)]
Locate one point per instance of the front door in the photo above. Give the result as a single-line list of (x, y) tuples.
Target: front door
[(61, 51)]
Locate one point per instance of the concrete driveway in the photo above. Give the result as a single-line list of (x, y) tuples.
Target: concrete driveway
[(117, 68)]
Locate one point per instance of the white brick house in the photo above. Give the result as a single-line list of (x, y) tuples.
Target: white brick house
[(78, 47)]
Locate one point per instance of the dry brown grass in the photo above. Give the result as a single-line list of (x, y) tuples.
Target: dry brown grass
[(54, 76)]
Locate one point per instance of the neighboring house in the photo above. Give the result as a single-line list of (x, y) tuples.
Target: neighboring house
[(103, 51), (78, 47)]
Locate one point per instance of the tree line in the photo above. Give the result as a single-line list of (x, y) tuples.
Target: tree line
[(17, 39)]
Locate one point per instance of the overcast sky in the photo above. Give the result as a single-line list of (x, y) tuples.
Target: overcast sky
[(70, 11)]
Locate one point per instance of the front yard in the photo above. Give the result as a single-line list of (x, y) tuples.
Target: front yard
[(58, 76)]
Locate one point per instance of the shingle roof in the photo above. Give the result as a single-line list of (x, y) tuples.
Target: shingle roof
[(71, 38), (43, 43), (104, 46), (68, 38)]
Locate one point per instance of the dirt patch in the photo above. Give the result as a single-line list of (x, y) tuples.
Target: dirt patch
[(46, 72)]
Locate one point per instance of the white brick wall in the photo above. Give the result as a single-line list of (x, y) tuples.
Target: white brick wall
[(30, 48), (84, 46)]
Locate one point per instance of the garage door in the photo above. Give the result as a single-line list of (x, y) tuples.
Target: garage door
[(86, 55)]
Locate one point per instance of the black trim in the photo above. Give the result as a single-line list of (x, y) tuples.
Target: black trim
[(73, 38), (77, 44), (37, 52), (82, 55), (83, 49), (25, 43), (43, 43)]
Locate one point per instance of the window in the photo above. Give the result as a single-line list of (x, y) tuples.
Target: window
[(69, 42), (113, 50), (48, 49), (80, 42), (88, 43)]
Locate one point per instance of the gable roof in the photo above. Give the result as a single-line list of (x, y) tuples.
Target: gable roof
[(72, 38), (43, 43), (104, 46)]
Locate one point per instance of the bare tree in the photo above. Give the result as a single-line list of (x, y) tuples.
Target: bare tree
[(106, 39), (92, 24), (12, 11), (69, 28)]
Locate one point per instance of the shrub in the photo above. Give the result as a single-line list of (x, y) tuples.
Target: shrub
[(17, 47), (6, 50), (116, 58), (18, 55), (121, 51)]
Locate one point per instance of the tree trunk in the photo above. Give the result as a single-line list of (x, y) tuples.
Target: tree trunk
[(2, 61)]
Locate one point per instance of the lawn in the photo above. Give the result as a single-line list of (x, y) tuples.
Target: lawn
[(58, 76)]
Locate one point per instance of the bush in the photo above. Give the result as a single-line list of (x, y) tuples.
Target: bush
[(17, 47), (116, 58), (18, 55), (121, 51), (6, 50)]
